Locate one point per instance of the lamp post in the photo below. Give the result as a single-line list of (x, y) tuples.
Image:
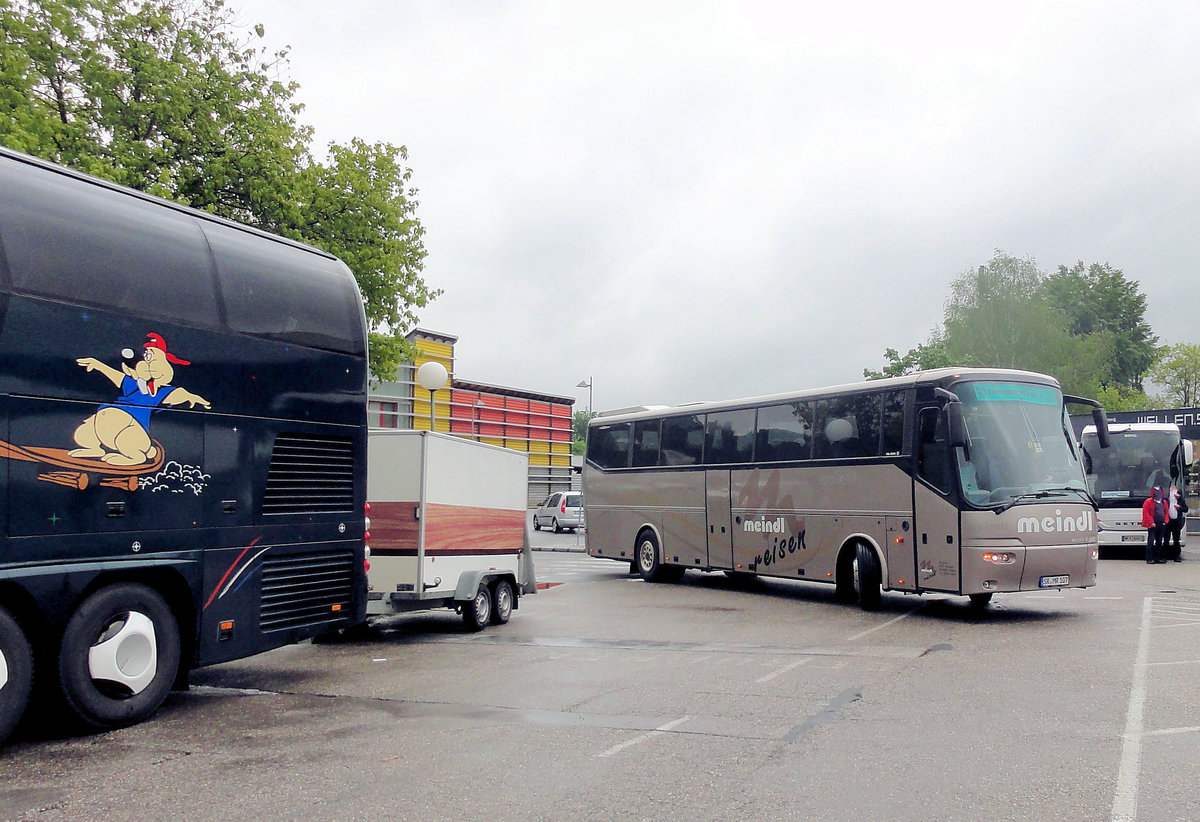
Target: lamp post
[(588, 385), (431, 376)]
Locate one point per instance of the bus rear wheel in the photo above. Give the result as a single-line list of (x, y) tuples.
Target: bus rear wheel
[(980, 600), (16, 674), (119, 655), (868, 577)]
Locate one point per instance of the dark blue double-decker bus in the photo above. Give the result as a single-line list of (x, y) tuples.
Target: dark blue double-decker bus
[(182, 443)]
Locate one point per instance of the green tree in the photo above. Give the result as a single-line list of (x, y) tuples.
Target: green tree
[(579, 424), (173, 98), (931, 354), (1099, 300), (1177, 369), (1120, 398), (997, 316), (993, 319)]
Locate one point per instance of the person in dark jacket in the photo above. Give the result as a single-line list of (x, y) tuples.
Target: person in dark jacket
[(1177, 508), (1154, 520)]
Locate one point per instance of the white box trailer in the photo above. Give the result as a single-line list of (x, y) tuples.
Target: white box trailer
[(447, 526)]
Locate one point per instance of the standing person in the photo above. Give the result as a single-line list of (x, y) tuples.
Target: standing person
[(1154, 520), (1177, 511)]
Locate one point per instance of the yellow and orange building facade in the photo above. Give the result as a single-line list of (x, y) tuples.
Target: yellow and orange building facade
[(516, 418)]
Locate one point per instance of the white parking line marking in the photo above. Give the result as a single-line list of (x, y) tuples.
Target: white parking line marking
[(637, 740), (1125, 801), (1170, 731), (783, 670), (862, 634)]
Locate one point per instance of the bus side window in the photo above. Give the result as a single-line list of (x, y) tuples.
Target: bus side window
[(893, 424), (783, 433), (933, 449), (645, 443), (608, 445), (730, 437), (682, 440)]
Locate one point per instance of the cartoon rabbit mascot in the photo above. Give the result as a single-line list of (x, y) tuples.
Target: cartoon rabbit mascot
[(119, 433)]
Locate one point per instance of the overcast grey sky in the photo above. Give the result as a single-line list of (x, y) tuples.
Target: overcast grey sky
[(705, 200)]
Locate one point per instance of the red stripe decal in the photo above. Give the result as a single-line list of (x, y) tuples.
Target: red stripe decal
[(228, 571)]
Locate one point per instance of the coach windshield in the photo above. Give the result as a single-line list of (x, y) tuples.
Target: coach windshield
[(1021, 445)]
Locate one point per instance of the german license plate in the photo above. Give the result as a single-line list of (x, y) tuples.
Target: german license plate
[(1132, 538), (1055, 581)]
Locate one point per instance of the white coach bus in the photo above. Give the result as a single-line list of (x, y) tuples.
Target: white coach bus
[(958, 481), (1120, 478)]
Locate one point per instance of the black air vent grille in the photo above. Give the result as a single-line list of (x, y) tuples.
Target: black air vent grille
[(305, 589), (310, 474)]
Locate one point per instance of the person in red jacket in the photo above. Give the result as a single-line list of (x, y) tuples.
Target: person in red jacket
[(1154, 520)]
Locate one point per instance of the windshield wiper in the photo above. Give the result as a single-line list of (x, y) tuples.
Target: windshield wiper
[(1041, 493)]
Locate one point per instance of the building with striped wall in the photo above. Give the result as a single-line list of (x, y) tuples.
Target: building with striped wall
[(517, 418)]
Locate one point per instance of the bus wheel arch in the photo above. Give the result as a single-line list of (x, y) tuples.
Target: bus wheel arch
[(169, 584), (119, 656)]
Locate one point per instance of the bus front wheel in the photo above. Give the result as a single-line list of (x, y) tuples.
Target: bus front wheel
[(119, 655), (16, 674), (868, 577)]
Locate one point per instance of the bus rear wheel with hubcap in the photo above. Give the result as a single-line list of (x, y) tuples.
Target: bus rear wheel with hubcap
[(478, 612), (16, 674), (502, 602), (119, 655)]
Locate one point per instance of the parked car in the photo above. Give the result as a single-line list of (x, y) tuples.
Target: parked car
[(562, 510)]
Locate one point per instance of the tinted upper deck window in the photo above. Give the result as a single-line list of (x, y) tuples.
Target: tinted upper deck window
[(85, 244), (276, 290)]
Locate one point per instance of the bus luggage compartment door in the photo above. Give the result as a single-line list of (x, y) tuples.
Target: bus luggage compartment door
[(720, 536)]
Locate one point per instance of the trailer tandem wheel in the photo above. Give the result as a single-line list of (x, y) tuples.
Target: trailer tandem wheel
[(502, 602), (478, 612)]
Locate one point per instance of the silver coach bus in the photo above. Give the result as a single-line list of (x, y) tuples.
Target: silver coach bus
[(958, 481)]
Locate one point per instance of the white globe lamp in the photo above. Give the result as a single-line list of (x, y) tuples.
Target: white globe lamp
[(431, 376)]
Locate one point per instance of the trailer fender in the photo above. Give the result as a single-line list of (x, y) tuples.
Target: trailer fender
[(469, 582)]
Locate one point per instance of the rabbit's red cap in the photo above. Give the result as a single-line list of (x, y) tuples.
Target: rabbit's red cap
[(156, 341)]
